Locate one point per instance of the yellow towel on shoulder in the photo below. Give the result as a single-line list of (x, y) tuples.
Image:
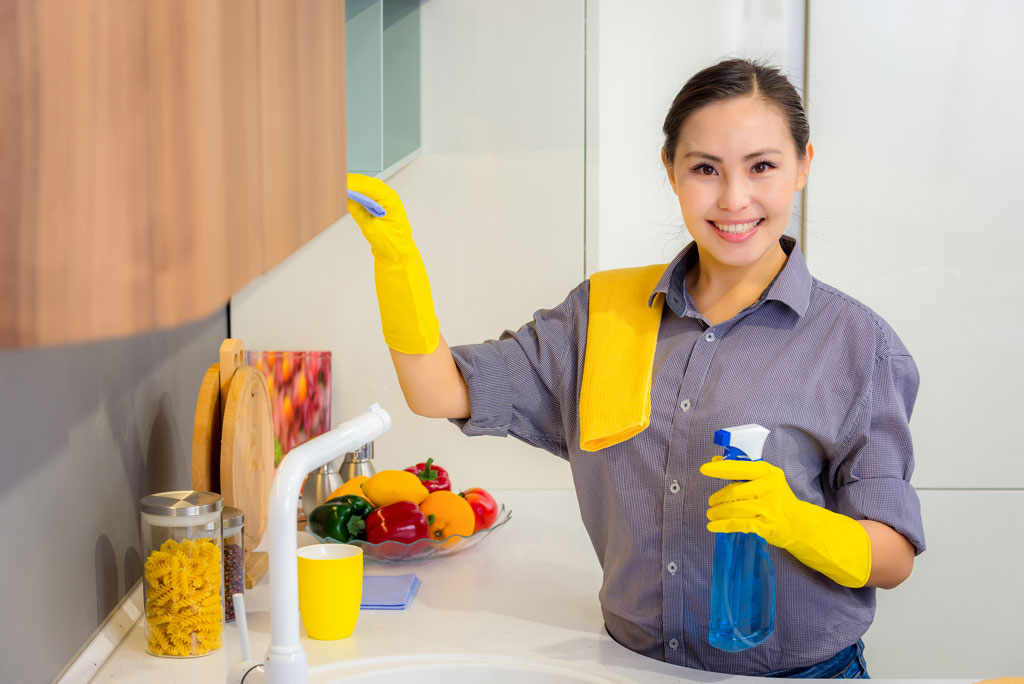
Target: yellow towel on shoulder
[(615, 397)]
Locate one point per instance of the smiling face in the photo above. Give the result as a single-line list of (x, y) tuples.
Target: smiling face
[(735, 171)]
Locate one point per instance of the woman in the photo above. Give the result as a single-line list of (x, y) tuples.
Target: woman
[(631, 375)]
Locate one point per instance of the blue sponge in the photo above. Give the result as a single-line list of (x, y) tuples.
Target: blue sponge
[(367, 203), (389, 592)]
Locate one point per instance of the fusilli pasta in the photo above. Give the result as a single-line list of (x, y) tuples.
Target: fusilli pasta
[(183, 598)]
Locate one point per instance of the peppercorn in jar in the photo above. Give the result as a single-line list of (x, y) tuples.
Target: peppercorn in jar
[(233, 524)]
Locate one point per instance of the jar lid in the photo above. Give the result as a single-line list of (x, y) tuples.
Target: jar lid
[(181, 504), (232, 517)]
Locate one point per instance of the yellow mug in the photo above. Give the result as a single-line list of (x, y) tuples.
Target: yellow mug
[(330, 589)]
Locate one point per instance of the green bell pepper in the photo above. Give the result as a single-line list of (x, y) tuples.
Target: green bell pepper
[(342, 518)]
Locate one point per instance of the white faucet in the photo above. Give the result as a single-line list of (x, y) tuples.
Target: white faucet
[(286, 659)]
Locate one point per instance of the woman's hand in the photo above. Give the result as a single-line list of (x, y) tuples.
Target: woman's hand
[(833, 544), (403, 289), (430, 380)]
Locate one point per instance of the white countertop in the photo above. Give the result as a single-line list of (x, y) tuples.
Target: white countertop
[(527, 591)]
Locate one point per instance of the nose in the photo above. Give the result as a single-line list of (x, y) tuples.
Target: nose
[(735, 194)]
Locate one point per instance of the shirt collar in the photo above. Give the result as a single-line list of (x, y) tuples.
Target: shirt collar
[(792, 286)]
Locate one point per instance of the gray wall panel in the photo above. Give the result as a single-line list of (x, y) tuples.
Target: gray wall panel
[(85, 432)]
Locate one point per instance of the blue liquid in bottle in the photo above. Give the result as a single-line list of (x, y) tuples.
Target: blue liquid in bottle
[(742, 592), (742, 588)]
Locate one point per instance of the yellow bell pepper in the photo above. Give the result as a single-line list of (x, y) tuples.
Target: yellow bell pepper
[(391, 486)]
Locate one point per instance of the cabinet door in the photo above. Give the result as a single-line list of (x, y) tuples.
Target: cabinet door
[(912, 206), (157, 156)]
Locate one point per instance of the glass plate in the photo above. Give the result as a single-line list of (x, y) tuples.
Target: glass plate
[(421, 549)]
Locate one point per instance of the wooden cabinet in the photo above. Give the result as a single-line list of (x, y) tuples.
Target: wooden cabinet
[(157, 156)]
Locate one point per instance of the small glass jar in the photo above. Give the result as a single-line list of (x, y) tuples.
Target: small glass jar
[(182, 575), (233, 524)]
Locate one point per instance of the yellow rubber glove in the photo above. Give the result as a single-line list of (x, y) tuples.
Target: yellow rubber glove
[(403, 290), (831, 543)]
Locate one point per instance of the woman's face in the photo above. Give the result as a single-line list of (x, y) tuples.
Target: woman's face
[(735, 172)]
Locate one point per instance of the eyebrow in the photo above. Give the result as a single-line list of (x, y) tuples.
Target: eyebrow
[(713, 158)]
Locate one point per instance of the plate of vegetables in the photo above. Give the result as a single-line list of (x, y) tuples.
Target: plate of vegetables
[(407, 515)]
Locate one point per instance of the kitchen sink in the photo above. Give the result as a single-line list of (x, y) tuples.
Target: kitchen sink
[(457, 668)]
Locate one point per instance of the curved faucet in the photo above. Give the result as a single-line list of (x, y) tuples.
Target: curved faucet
[(286, 661)]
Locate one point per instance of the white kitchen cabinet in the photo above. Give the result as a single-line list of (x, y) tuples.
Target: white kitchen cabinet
[(958, 613), (914, 192), (914, 110)]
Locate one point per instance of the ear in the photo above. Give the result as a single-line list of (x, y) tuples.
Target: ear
[(668, 170), (805, 168)]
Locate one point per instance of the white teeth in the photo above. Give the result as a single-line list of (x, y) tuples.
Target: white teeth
[(737, 228)]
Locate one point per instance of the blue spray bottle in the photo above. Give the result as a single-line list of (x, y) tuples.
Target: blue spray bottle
[(742, 580)]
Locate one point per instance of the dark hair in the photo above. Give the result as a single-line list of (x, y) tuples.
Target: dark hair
[(732, 78)]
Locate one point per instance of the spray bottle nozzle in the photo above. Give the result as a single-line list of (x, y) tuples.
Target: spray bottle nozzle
[(742, 441)]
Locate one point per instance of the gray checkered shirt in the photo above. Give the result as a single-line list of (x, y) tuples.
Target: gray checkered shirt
[(824, 373)]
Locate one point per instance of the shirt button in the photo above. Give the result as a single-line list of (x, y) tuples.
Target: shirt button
[(685, 405), (709, 336), (673, 644), (674, 487), (671, 567)]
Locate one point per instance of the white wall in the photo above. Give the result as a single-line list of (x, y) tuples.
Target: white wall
[(496, 205), (911, 207)]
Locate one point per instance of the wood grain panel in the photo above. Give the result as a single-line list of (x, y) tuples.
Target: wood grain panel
[(302, 170), (157, 156)]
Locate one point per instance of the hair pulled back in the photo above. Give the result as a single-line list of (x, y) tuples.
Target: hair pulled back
[(732, 78)]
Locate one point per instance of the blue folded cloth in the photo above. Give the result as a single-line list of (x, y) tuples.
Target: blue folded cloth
[(370, 205), (389, 592)]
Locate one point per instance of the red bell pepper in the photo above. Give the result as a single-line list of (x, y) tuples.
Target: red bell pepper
[(433, 477), (402, 521)]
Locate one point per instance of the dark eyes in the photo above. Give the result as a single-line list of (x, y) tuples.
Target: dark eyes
[(705, 169)]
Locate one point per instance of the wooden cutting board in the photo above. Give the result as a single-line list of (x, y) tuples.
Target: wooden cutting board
[(233, 446), (206, 429), (206, 434), (247, 450)]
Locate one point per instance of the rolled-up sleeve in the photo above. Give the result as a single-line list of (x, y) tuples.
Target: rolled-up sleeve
[(519, 383), (879, 453)]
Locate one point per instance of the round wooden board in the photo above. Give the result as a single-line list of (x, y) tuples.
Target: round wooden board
[(247, 451), (206, 434)]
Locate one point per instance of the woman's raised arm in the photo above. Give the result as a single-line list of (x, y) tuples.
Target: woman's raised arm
[(430, 380), (432, 384)]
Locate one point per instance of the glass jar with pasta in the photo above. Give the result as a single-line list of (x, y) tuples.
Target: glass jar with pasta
[(182, 575)]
